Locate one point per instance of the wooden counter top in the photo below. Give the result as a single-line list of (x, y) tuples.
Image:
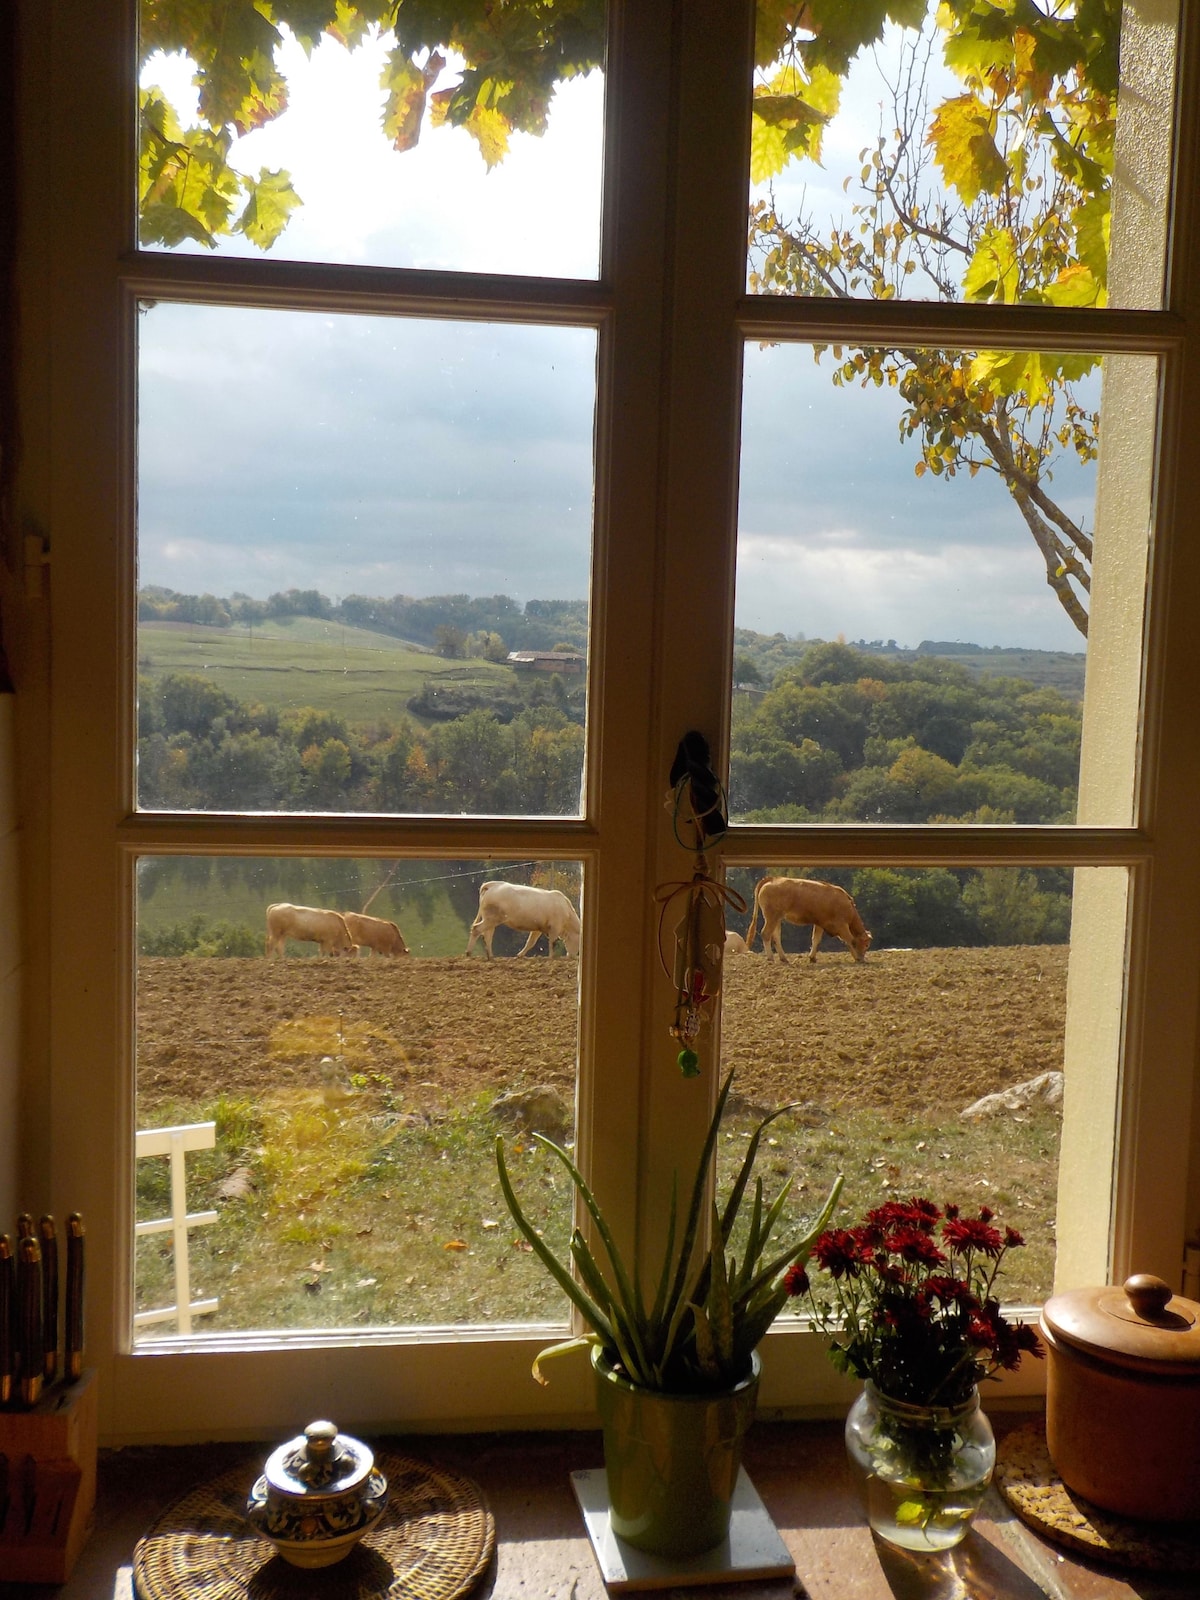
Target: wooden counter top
[(543, 1553)]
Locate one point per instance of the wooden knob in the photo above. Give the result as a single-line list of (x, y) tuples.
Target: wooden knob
[(1147, 1294)]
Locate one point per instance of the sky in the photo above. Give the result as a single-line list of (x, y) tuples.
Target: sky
[(378, 456)]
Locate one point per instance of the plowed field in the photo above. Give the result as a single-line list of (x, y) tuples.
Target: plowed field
[(906, 1029)]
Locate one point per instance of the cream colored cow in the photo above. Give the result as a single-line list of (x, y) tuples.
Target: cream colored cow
[(529, 910), (326, 929)]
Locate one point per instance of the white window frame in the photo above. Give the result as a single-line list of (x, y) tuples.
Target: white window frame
[(672, 317)]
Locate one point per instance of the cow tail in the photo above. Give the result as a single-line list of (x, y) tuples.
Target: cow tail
[(750, 931)]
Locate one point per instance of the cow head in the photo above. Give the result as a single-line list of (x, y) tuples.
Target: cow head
[(859, 944)]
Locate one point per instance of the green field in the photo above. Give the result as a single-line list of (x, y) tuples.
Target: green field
[(303, 661), (238, 891)]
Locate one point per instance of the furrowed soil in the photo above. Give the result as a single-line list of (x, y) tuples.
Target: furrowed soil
[(906, 1030)]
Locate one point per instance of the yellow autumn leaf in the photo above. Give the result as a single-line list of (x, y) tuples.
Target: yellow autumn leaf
[(960, 135), (455, 1244), (489, 129)]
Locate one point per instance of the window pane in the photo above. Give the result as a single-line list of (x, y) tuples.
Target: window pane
[(356, 1099), (926, 562), (961, 996), (364, 560), (469, 143), (947, 160)]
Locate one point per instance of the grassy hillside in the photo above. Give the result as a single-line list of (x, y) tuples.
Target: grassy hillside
[(238, 892), (1051, 669), (305, 661)]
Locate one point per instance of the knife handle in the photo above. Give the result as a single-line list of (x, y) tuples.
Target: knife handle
[(8, 1290), (73, 1300), (49, 1243), (29, 1319), (25, 1227)]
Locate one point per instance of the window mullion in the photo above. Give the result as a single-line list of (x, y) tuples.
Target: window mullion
[(699, 494)]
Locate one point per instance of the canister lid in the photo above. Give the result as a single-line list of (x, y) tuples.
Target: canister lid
[(318, 1463), (1141, 1325)]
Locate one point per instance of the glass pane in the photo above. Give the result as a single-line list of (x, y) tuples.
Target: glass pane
[(961, 996), (926, 560), (466, 139), (364, 551), (356, 1098), (997, 153)]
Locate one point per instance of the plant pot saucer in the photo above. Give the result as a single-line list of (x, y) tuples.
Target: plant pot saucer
[(752, 1550)]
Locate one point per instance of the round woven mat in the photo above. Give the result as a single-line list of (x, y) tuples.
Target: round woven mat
[(432, 1543), (1026, 1478)]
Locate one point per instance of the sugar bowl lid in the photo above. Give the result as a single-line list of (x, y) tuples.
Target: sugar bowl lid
[(318, 1463), (1141, 1325)]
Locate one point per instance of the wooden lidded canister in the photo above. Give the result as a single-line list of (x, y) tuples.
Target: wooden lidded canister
[(1123, 1397)]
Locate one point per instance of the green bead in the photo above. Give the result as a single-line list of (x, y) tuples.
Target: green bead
[(689, 1063)]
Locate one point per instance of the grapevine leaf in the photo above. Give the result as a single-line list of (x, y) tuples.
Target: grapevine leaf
[(271, 201), (960, 135)]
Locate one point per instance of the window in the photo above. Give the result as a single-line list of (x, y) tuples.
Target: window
[(648, 470)]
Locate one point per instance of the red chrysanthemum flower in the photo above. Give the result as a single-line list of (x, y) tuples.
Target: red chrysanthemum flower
[(967, 1233), (952, 1212), (839, 1252), (1012, 1239), (986, 1213), (948, 1291), (795, 1279), (911, 1245)]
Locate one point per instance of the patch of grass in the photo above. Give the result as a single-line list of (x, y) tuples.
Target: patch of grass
[(362, 676), (361, 1215), (1009, 1164)]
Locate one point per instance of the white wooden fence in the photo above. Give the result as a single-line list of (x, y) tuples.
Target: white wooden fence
[(175, 1142)]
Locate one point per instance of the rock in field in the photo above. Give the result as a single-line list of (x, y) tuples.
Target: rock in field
[(541, 1108), (1044, 1090)]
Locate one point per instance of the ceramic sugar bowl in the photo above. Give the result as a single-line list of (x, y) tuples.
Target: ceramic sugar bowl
[(317, 1496)]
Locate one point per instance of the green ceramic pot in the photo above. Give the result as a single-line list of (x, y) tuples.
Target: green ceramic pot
[(672, 1460)]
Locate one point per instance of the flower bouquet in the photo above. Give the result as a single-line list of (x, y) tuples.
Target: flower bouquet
[(912, 1310)]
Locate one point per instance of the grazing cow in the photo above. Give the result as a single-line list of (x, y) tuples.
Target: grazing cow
[(806, 900), (373, 933), (532, 911), (735, 945), (324, 928)]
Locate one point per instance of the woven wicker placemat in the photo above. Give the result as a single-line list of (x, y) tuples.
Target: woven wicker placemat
[(1026, 1478), (432, 1543)]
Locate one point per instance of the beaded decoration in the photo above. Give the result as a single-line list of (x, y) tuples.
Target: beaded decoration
[(700, 819)]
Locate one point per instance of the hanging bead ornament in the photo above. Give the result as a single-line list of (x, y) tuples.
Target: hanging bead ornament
[(700, 820)]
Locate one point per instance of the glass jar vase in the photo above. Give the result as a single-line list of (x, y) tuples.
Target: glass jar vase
[(923, 1469)]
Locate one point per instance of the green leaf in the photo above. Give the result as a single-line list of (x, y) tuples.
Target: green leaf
[(768, 150), (1075, 286), (582, 1301), (271, 202), (1091, 223), (994, 270), (583, 1342)]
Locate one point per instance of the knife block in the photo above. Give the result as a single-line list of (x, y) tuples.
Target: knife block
[(47, 1482)]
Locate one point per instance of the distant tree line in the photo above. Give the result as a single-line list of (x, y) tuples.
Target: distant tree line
[(847, 736), (199, 748), (839, 735), (453, 624)]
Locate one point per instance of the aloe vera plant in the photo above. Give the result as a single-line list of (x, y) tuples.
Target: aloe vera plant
[(710, 1308)]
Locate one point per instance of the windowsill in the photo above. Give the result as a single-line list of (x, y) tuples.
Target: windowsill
[(542, 1552)]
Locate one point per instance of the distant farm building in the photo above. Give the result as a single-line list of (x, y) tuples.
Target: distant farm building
[(564, 661)]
